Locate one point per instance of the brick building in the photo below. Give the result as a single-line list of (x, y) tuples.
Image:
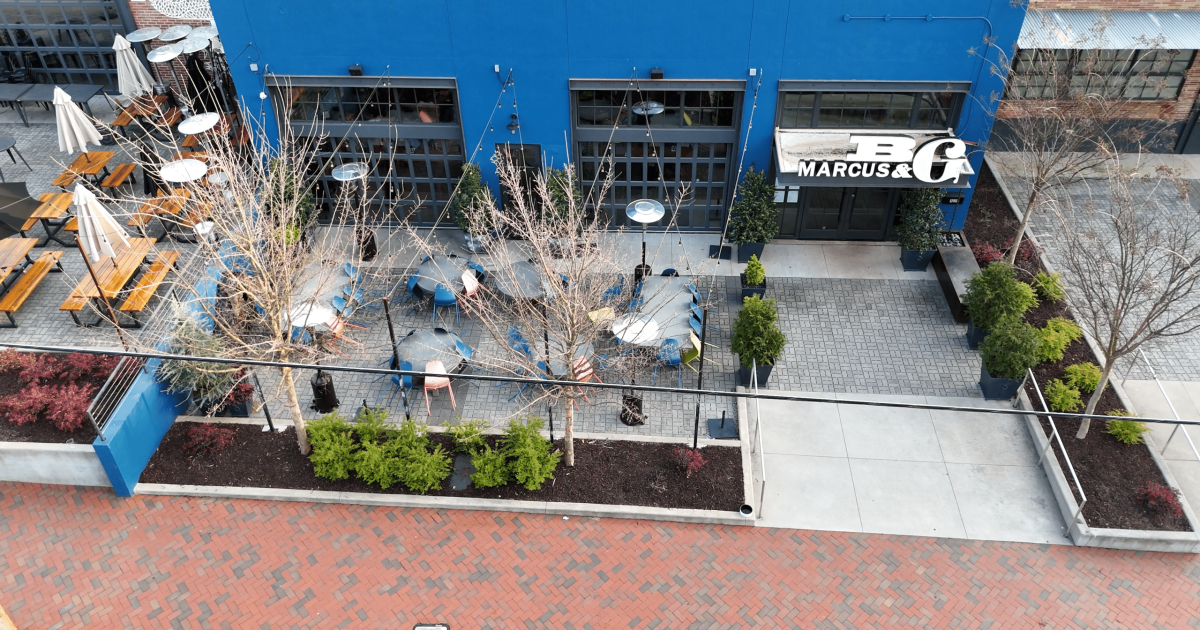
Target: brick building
[(1160, 36)]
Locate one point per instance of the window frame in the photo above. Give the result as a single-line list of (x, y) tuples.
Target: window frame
[(1128, 57), (953, 109)]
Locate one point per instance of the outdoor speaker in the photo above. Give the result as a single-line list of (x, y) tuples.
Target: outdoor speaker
[(656, 73)]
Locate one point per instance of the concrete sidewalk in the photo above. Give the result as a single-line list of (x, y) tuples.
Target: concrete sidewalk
[(1148, 401), (883, 470)]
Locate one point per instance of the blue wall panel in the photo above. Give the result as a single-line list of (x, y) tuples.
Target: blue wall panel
[(548, 42), (137, 426)]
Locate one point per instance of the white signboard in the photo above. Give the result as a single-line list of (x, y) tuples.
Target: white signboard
[(854, 158)]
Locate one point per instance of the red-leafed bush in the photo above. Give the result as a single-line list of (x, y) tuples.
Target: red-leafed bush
[(67, 407), (985, 253), (1028, 253), (1160, 499), (10, 360), (205, 438), (26, 405), (689, 460), (81, 366)]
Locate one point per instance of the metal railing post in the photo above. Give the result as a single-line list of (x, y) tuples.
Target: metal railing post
[(1171, 405), (1062, 447)]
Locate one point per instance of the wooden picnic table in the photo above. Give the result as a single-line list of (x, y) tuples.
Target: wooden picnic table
[(113, 278), (51, 212), (192, 155), (89, 164), (146, 105), (14, 254)]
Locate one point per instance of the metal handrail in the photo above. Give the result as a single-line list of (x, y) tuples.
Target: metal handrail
[(762, 464), (1172, 406), (106, 400), (1062, 447)]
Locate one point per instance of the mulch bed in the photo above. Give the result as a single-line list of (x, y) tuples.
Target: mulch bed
[(43, 430), (1111, 472), (605, 472)]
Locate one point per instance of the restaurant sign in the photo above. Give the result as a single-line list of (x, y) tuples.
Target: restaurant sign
[(841, 158)]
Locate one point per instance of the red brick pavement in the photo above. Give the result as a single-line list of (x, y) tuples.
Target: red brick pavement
[(72, 558)]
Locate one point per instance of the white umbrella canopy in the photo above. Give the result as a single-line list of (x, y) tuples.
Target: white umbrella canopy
[(133, 79), (74, 128), (98, 230)]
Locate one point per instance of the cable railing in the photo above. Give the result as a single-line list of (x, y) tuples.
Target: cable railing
[(113, 390), (1062, 448), (1174, 413)]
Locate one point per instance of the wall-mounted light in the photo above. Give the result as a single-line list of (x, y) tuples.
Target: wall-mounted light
[(513, 126), (356, 70), (656, 73)]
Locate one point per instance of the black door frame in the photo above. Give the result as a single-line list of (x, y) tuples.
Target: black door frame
[(843, 232)]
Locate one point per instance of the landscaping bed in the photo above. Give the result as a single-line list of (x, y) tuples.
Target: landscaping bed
[(605, 472), (1110, 472), (44, 396)]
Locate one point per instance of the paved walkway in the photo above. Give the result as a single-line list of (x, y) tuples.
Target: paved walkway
[(73, 558), (1149, 402), (886, 470)]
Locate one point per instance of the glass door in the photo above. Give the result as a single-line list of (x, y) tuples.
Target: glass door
[(823, 216), (848, 214), (870, 209)]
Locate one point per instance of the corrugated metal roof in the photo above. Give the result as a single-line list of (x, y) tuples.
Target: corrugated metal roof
[(1173, 30)]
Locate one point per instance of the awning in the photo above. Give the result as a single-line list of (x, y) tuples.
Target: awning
[(1111, 30), (870, 158)]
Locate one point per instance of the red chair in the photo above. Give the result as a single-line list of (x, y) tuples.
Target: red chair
[(584, 373), (436, 383)]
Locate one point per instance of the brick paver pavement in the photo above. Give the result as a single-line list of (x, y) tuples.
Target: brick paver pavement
[(72, 558)]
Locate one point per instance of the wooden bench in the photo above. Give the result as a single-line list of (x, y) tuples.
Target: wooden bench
[(191, 142), (123, 119), (24, 287), (148, 284), (29, 224), (119, 176), (171, 117), (73, 305), (72, 225)]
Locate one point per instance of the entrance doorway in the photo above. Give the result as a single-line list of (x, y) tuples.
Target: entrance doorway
[(836, 213)]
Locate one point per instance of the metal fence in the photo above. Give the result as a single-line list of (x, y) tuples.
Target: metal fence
[(114, 389), (1062, 448)]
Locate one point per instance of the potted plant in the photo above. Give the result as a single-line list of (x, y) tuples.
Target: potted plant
[(1009, 351), (754, 279), (472, 207), (237, 401), (994, 295), (207, 384), (756, 339), (921, 222), (753, 219)]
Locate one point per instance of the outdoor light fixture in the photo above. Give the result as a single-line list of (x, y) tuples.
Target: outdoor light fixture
[(648, 108), (656, 73), (356, 70), (644, 211), (514, 125)]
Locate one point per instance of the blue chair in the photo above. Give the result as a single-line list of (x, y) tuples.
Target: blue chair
[(668, 354), (695, 324), (614, 291), (402, 384), (542, 370), (637, 291), (463, 349), (670, 273), (480, 273), (444, 297)]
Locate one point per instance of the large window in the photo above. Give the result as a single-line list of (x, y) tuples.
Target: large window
[(409, 136), (675, 108), (1144, 75), (668, 141), (64, 41), (864, 110)]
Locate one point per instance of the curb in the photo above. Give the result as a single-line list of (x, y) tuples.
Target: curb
[(705, 517), (1083, 535)]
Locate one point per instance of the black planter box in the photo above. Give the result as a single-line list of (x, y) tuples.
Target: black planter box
[(240, 410), (747, 290), (764, 371), (998, 388), (748, 250), (975, 335), (913, 260), (631, 411), (955, 265)]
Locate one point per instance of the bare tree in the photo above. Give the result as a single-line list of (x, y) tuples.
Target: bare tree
[(1060, 109), (576, 283), (1133, 264), (259, 282)]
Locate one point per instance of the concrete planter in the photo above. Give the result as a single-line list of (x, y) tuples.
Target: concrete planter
[(975, 335), (764, 371), (747, 250), (913, 260), (747, 290), (1086, 536), (998, 388), (59, 464), (955, 266)]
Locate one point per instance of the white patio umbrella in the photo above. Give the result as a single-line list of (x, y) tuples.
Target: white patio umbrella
[(98, 233), (74, 128), (133, 79)]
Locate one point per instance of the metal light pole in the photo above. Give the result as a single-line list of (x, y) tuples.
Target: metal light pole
[(700, 377)]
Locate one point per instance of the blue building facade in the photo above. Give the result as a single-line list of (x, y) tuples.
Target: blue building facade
[(668, 94)]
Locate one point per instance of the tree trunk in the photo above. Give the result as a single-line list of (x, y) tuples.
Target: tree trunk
[(1011, 257), (289, 385), (1095, 399), (569, 432)]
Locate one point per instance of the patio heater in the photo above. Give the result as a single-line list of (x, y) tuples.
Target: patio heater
[(644, 211), (357, 171)]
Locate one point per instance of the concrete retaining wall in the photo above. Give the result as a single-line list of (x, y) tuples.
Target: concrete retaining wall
[(64, 464)]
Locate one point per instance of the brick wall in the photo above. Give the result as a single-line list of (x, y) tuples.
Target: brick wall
[(144, 16), (1115, 5)]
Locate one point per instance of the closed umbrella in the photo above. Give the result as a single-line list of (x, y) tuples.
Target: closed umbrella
[(99, 235), (132, 77), (74, 128)]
